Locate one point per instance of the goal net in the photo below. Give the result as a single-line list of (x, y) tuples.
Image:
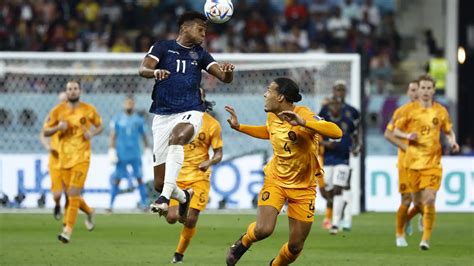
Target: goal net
[(30, 84)]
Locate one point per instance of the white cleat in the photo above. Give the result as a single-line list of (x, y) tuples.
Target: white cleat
[(64, 237), (334, 230), (420, 223), (424, 245), (90, 221), (401, 242), (160, 208)]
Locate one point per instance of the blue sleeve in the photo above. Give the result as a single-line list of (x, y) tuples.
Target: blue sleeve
[(206, 60), (156, 51)]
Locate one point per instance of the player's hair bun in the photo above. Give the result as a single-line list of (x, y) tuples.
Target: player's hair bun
[(289, 89)]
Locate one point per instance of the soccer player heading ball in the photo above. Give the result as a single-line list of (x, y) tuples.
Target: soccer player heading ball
[(176, 67)]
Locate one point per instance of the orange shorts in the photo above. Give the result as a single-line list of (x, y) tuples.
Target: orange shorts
[(301, 201), (75, 176), (405, 182), (56, 182), (426, 178), (201, 190)]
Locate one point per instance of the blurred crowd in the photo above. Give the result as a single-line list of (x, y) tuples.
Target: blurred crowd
[(257, 26)]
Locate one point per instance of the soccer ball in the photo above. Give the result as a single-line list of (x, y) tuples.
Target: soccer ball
[(218, 11)]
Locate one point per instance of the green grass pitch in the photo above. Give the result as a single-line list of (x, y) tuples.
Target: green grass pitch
[(145, 239)]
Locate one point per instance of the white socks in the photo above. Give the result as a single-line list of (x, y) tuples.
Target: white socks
[(174, 161), (338, 204), (347, 199)]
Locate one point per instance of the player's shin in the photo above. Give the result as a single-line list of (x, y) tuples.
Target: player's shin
[(337, 212), (185, 238), (429, 217), (73, 209), (285, 256), (249, 237), (401, 219), (174, 161), (347, 213)]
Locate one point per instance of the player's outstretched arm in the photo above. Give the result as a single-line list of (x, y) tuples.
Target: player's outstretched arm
[(322, 127), (394, 140), (147, 69), (254, 131), (224, 72)]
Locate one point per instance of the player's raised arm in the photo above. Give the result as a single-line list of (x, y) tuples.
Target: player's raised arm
[(260, 132), (224, 72), (322, 127)]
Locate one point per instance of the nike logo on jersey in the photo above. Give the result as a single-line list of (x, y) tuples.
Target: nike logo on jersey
[(174, 52)]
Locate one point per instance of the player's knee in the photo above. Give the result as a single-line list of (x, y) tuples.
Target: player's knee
[(406, 199), (191, 221), (262, 232), (171, 219), (295, 248)]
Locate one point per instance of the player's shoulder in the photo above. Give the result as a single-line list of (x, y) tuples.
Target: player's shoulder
[(439, 107), (209, 118), (59, 107), (303, 110), (87, 106)]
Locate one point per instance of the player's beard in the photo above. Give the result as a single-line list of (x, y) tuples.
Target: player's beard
[(129, 111), (73, 100)]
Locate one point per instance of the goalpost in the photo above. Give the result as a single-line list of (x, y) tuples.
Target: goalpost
[(30, 82)]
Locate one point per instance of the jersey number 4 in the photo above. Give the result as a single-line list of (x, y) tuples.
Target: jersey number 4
[(183, 62)]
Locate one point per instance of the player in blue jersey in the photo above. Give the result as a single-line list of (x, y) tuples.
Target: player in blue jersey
[(339, 91), (176, 66), (127, 130), (336, 159)]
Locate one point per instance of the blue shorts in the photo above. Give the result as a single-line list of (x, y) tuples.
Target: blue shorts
[(122, 172)]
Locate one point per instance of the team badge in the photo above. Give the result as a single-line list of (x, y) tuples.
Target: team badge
[(435, 121), (265, 195), (403, 187), (292, 136), (202, 136), (82, 120), (344, 126), (348, 114), (193, 55)]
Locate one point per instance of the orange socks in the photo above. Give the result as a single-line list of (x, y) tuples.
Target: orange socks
[(429, 216), (285, 257), (401, 220), (249, 237), (185, 238), (72, 210), (84, 207)]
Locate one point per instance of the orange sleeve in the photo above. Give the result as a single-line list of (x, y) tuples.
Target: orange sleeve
[(325, 128), (447, 125), (95, 118), (216, 136), (260, 132), (52, 119), (391, 124)]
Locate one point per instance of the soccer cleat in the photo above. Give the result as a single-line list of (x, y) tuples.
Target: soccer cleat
[(90, 221), (109, 211), (408, 228), (184, 207), (401, 242), (235, 252), (333, 231), (420, 223), (327, 224), (64, 237), (57, 212), (424, 245), (177, 258), (160, 206)]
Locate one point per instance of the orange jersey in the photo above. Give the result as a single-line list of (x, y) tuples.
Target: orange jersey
[(295, 150), (400, 112), (53, 160), (73, 148), (197, 151), (425, 152)]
